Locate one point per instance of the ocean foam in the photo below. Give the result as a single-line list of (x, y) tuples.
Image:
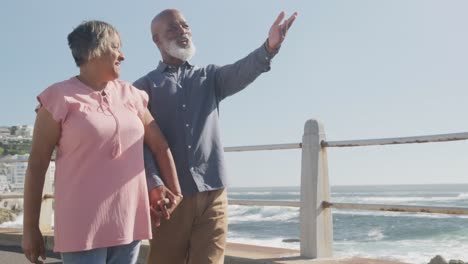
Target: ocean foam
[(375, 234), (242, 214), (18, 223)]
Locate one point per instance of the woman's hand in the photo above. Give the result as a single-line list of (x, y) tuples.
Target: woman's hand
[(45, 137), (162, 203), (33, 245)]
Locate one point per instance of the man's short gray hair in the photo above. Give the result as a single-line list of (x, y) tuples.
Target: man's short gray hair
[(90, 39)]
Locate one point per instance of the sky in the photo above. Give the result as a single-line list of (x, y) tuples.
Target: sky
[(365, 69)]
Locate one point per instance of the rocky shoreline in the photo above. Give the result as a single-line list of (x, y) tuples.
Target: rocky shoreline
[(7, 215), (440, 260)]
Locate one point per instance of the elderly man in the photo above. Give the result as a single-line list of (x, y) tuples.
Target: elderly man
[(185, 100)]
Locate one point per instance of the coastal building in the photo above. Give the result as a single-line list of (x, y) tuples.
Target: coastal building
[(24, 131), (50, 175), (14, 169), (17, 172), (4, 132), (4, 187), (3, 168)]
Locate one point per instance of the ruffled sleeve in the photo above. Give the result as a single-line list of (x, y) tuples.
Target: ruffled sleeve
[(53, 99), (140, 101)]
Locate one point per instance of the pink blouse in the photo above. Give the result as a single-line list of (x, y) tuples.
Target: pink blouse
[(101, 197)]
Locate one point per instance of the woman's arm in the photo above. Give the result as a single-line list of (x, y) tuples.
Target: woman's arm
[(45, 137), (156, 141)]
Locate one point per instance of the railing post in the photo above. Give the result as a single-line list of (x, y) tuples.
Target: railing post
[(45, 218), (315, 221)]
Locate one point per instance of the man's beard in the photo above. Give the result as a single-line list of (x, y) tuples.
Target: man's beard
[(174, 50)]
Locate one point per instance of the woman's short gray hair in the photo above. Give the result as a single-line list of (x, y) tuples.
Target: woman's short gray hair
[(90, 39)]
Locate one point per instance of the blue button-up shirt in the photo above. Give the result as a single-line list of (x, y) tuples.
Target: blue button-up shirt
[(185, 103)]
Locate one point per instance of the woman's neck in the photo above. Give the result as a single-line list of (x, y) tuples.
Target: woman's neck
[(88, 77)]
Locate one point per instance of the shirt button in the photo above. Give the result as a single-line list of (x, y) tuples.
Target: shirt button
[(187, 125), (189, 146), (192, 169)]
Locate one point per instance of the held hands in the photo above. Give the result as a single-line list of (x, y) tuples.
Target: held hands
[(162, 203), (33, 245), (278, 31)]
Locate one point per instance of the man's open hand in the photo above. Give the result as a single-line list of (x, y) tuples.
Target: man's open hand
[(278, 31)]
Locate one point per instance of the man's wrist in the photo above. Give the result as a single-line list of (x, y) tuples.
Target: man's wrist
[(156, 187), (271, 51)]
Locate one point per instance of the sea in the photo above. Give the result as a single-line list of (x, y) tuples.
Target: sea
[(408, 237)]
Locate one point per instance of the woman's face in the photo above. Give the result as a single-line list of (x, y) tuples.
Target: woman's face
[(109, 61)]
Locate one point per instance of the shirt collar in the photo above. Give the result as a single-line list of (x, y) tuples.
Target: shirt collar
[(163, 67)]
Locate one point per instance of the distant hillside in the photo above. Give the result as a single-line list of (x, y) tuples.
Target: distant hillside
[(15, 147)]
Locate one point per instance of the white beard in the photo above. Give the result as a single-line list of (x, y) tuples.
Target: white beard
[(183, 54)]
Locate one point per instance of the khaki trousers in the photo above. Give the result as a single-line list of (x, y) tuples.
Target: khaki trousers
[(195, 234)]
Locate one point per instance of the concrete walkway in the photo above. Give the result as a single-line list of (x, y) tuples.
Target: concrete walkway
[(10, 253), (14, 255)]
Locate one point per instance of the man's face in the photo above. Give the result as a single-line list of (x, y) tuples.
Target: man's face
[(175, 28), (174, 37)]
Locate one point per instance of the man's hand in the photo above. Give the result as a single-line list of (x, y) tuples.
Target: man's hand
[(278, 32), (162, 203), (174, 200)]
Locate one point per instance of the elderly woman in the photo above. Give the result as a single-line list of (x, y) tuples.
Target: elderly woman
[(99, 125)]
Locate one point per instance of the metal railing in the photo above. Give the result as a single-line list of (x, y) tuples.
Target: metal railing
[(316, 225)]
